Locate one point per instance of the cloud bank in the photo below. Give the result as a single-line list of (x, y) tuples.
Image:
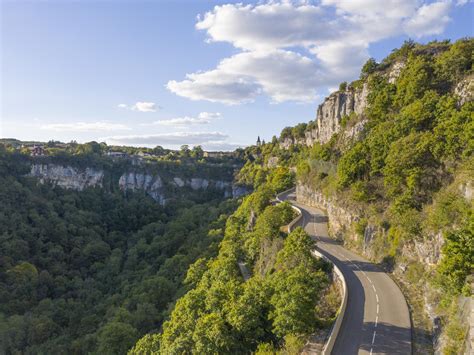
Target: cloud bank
[(202, 119), (140, 106), (85, 127), (176, 138), (293, 50)]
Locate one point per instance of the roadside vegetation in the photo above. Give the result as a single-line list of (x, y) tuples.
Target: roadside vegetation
[(406, 174), (274, 310)]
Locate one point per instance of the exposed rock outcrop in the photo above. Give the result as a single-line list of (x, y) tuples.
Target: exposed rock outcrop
[(467, 190), (289, 141), (333, 109), (198, 183), (351, 133), (153, 185), (240, 190), (395, 71), (67, 176), (178, 181), (340, 219), (465, 90)]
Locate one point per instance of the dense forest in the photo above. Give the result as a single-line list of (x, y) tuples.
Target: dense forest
[(92, 271), (286, 298)]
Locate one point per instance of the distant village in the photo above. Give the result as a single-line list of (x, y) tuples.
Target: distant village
[(41, 150)]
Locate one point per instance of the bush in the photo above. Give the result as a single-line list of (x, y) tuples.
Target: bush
[(360, 226)]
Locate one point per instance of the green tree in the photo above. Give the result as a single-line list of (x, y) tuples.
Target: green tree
[(410, 170), (368, 68), (116, 338), (457, 262), (353, 165)]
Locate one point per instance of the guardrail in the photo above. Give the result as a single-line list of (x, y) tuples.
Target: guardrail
[(342, 309), (336, 327)]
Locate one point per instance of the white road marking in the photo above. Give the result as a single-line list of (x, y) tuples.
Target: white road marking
[(357, 266)]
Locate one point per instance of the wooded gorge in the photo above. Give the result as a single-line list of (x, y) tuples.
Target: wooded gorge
[(92, 271), (106, 272)]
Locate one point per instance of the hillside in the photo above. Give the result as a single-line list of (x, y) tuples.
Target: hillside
[(389, 157)]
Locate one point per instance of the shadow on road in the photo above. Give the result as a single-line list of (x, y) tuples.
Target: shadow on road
[(352, 329), (320, 219), (389, 339)]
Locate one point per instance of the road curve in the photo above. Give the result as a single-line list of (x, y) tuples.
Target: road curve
[(376, 320)]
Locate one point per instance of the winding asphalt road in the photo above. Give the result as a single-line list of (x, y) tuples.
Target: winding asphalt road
[(376, 320)]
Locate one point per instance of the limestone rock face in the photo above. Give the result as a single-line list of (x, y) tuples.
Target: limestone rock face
[(198, 183), (67, 176), (465, 90), (339, 218), (272, 162), (352, 132), (467, 190), (395, 71), (288, 142), (151, 184), (178, 181), (331, 111), (426, 250), (239, 191)]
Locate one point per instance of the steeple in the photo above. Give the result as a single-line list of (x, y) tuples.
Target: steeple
[(258, 141)]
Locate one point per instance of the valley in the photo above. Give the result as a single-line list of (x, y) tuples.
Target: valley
[(109, 249)]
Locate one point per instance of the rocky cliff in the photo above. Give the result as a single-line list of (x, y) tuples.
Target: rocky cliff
[(342, 221), (333, 109), (345, 103), (465, 90), (67, 176), (156, 186)]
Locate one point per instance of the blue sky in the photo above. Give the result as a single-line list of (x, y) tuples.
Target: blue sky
[(215, 73)]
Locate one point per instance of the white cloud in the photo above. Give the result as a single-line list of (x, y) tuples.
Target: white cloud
[(85, 126), (282, 75), (216, 86), (371, 8), (202, 119), (266, 26), (176, 138), (463, 2), (222, 146), (140, 106), (291, 50), (144, 107), (430, 19)]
